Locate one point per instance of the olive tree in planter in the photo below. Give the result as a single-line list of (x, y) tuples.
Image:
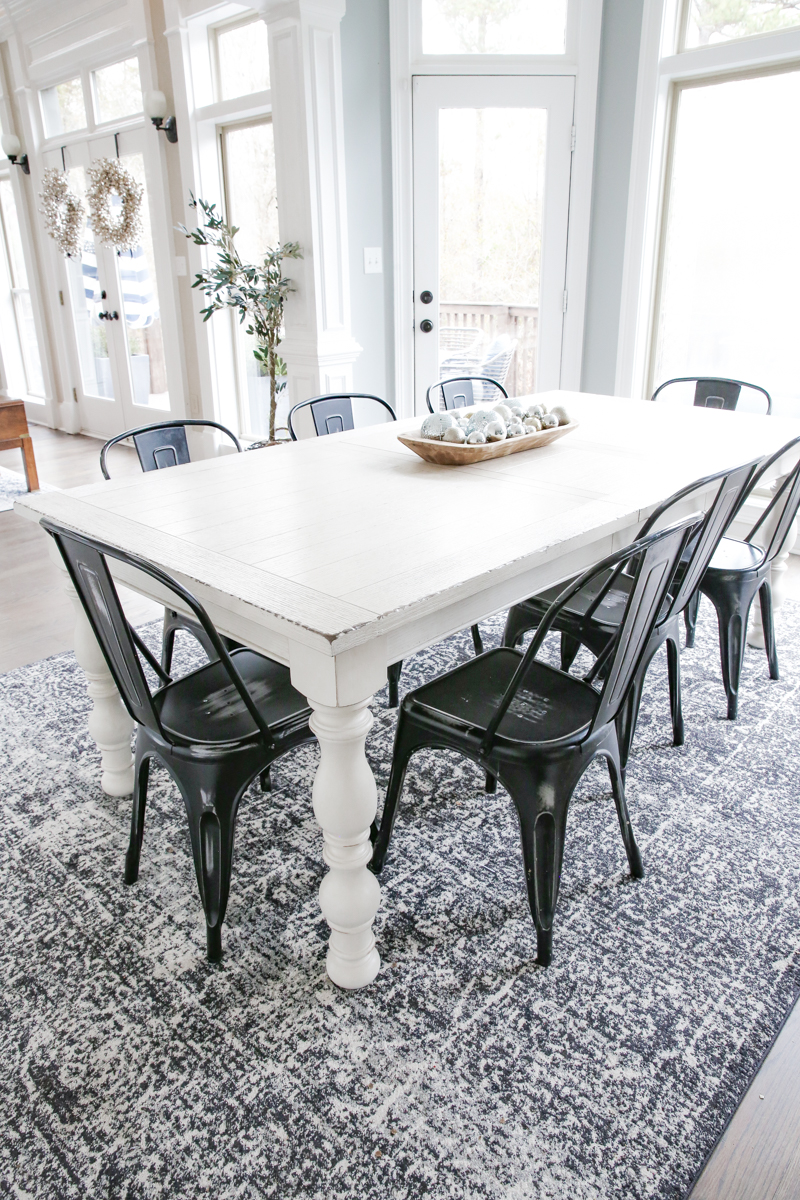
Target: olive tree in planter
[(257, 293)]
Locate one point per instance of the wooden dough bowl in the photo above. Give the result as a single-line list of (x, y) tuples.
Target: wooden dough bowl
[(455, 454)]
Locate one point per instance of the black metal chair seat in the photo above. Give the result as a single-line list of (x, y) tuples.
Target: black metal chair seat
[(536, 728), (215, 729), (204, 706), (548, 704), (731, 555), (585, 620)]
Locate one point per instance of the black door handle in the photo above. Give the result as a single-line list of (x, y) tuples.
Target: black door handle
[(425, 297), (108, 316), (426, 326)]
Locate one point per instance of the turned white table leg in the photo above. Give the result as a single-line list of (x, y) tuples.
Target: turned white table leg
[(345, 803), (109, 722)]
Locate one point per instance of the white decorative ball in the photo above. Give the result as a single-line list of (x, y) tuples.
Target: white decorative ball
[(454, 434), (480, 419), (516, 429), (435, 425), (495, 431), (504, 411), (562, 414), (476, 438), (535, 410), (532, 424), (549, 421)]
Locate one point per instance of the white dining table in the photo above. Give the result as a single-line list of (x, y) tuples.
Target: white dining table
[(341, 555)]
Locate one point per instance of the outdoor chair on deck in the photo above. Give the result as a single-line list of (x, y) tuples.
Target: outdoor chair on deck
[(582, 621), (537, 728), (215, 729), (161, 445)]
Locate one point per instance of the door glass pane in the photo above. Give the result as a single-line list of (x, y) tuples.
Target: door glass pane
[(729, 301), (117, 91), (63, 108), (23, 309), (252, 204), (494, 26), (242, 59), (19, 274), (85, 293), (140, 308), (711, 21), (491, 191)]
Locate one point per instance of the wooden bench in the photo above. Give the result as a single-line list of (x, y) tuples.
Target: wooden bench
[(14, 435)]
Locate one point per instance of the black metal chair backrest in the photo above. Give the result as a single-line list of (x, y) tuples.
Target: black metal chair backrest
[(733, 487), (163, 444), (783, 506), (334, 413), (85, 560), (710, 392), (459, 392), (652, 562)]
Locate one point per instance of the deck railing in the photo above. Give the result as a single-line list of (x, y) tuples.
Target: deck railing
[(518, 321)]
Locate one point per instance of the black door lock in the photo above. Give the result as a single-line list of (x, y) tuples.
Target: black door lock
[(426, 326), (425, 297)]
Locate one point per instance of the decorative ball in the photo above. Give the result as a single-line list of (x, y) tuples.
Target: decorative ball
[(480, 419), (436, 424), (495, 431), (476, 438), (562, 414), (454, 434), (504, 411), (532, 424), (549, 421), (535, 410), (517, 412), (516, 429)]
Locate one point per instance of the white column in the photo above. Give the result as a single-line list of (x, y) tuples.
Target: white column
[(306, 82), (109, 722)]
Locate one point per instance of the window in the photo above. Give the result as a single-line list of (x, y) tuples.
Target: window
[(248, 156), (494, 26), (117, 91), (707, 22), (21, 309), (63, 108), (242, 58), (729, 302)]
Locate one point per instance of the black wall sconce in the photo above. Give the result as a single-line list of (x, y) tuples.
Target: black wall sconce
[(155, 105), (11, 148)]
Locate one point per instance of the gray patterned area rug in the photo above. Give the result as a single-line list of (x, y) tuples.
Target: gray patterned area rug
[(13, 485), (133, 1069)]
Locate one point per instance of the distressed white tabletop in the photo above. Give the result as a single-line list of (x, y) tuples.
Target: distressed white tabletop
[(340, 555)]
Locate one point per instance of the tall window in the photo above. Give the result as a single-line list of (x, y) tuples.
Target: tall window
[(707, 22), (729, 304), (21, 349), (248, 157)]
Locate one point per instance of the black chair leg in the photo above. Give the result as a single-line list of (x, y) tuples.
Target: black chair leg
[(768, 625), (265, 781), (491, 783), (518, 622), (733, 607), (690, 619), (477, 640), (569, 650), (629, 716), (167, 643), (408, 738), (626, 829), (393, 676), (142, 776), (676, 708)]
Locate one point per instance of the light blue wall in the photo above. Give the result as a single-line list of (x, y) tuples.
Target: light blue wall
[(616, 99), (368, 161)]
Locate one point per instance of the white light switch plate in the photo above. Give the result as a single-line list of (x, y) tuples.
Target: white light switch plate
[(180, 265), (373, 260)]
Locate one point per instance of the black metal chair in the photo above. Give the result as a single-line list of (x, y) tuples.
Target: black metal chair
[(710, 392), (334, 413), (459, 392), (537, 728), (597, 630), (741, 569), (215, 729), (165, 444)]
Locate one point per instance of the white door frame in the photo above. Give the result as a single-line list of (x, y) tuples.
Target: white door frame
[(431, 93), (581, 60)]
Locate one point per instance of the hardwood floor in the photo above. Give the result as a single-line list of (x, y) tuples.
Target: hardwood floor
[(36, 616), (757, 1158)]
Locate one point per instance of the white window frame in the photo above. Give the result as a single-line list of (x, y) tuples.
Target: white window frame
[(661, 68), (581, 59), (191, 31)]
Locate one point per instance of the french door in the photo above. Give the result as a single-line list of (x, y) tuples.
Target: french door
[(111, 307), (492, 159)]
